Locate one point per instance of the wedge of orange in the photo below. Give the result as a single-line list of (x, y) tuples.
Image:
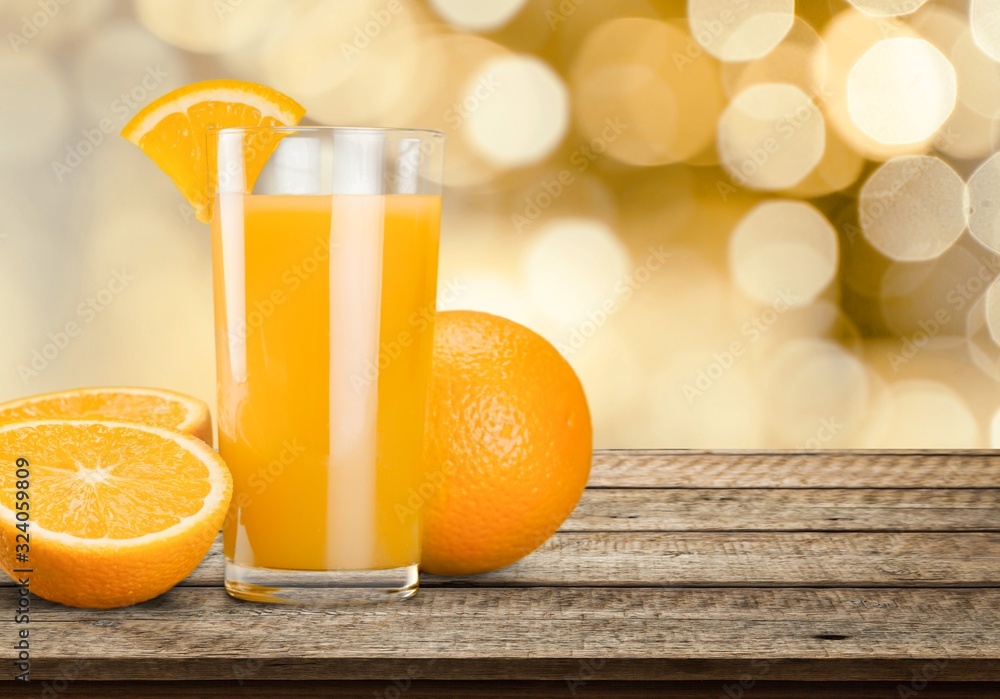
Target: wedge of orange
[(112, 513), (148, 406), (173, 131)]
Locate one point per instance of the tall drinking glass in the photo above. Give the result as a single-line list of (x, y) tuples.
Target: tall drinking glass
[(325, 272)]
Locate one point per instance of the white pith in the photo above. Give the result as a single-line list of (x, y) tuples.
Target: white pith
[(194, 408)]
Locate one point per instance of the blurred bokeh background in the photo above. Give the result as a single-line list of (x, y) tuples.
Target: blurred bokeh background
[(746, 223)]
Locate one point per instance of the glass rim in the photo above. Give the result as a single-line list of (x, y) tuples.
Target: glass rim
[(427, 134)]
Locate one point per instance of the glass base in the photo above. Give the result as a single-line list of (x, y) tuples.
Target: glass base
[(320, 587)]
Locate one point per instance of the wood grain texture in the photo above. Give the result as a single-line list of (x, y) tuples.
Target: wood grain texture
[(675, 567), (723, 559), (828, 469), (728, 559), (550, 689), (750, 510), (651, 634), (757, 509), (747, 510), (752, 559)]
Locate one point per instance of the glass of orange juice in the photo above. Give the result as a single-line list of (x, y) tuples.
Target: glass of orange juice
[(325, 275)]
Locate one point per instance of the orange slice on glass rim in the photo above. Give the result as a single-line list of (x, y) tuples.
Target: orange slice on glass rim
[(173, 131)]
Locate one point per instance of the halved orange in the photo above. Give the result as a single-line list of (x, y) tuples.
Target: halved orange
[(148, 406), (173, 131), (115, 514)]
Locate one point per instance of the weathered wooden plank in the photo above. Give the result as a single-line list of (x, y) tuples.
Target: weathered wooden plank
[(753, 559), (732, 559), (646, 509), (551, 689), (712, 510), (727, 559), (833, 469), (604, 634), (492, 669)]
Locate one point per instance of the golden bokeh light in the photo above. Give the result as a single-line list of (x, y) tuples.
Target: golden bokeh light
[(663, 304), (31, 314), (33, 125), (848, 37), (771, 136), (549, 197), (783, 251), (740, 31), (487, 291), (314, 51), (449, 106), (888, 8), (936, 294), (984, 203), (901, 279), (659, 208), (821, 319), (984, 18), (24, 245), (727, 415), (815, 383), (611, 402), (642, 94), (991, 311), (374, 93), (743, 222), (206, 27), (901, 91), (978, 77), (968, 133), (913, 208), (477, 15), (522, 111), (570, 25), (575, 266), (480, 266), (917, 414), (363, 71), (799, 59), (29, 22), (942, 26), (159, 266), (983, 332), (123, 59), (838, 168)]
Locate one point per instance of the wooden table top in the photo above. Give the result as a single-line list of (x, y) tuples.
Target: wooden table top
[(700, 570)]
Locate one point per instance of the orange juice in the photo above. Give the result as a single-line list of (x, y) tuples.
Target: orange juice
[(324, 327)]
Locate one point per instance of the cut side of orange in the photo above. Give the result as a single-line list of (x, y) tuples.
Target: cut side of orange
[(173, 131), (117, 513), (148, 406)]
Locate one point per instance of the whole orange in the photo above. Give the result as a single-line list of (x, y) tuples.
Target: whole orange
[(508, 446)]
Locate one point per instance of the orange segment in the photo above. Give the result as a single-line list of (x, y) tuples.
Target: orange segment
[(119, 513), (173, 131), (148, 406)]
